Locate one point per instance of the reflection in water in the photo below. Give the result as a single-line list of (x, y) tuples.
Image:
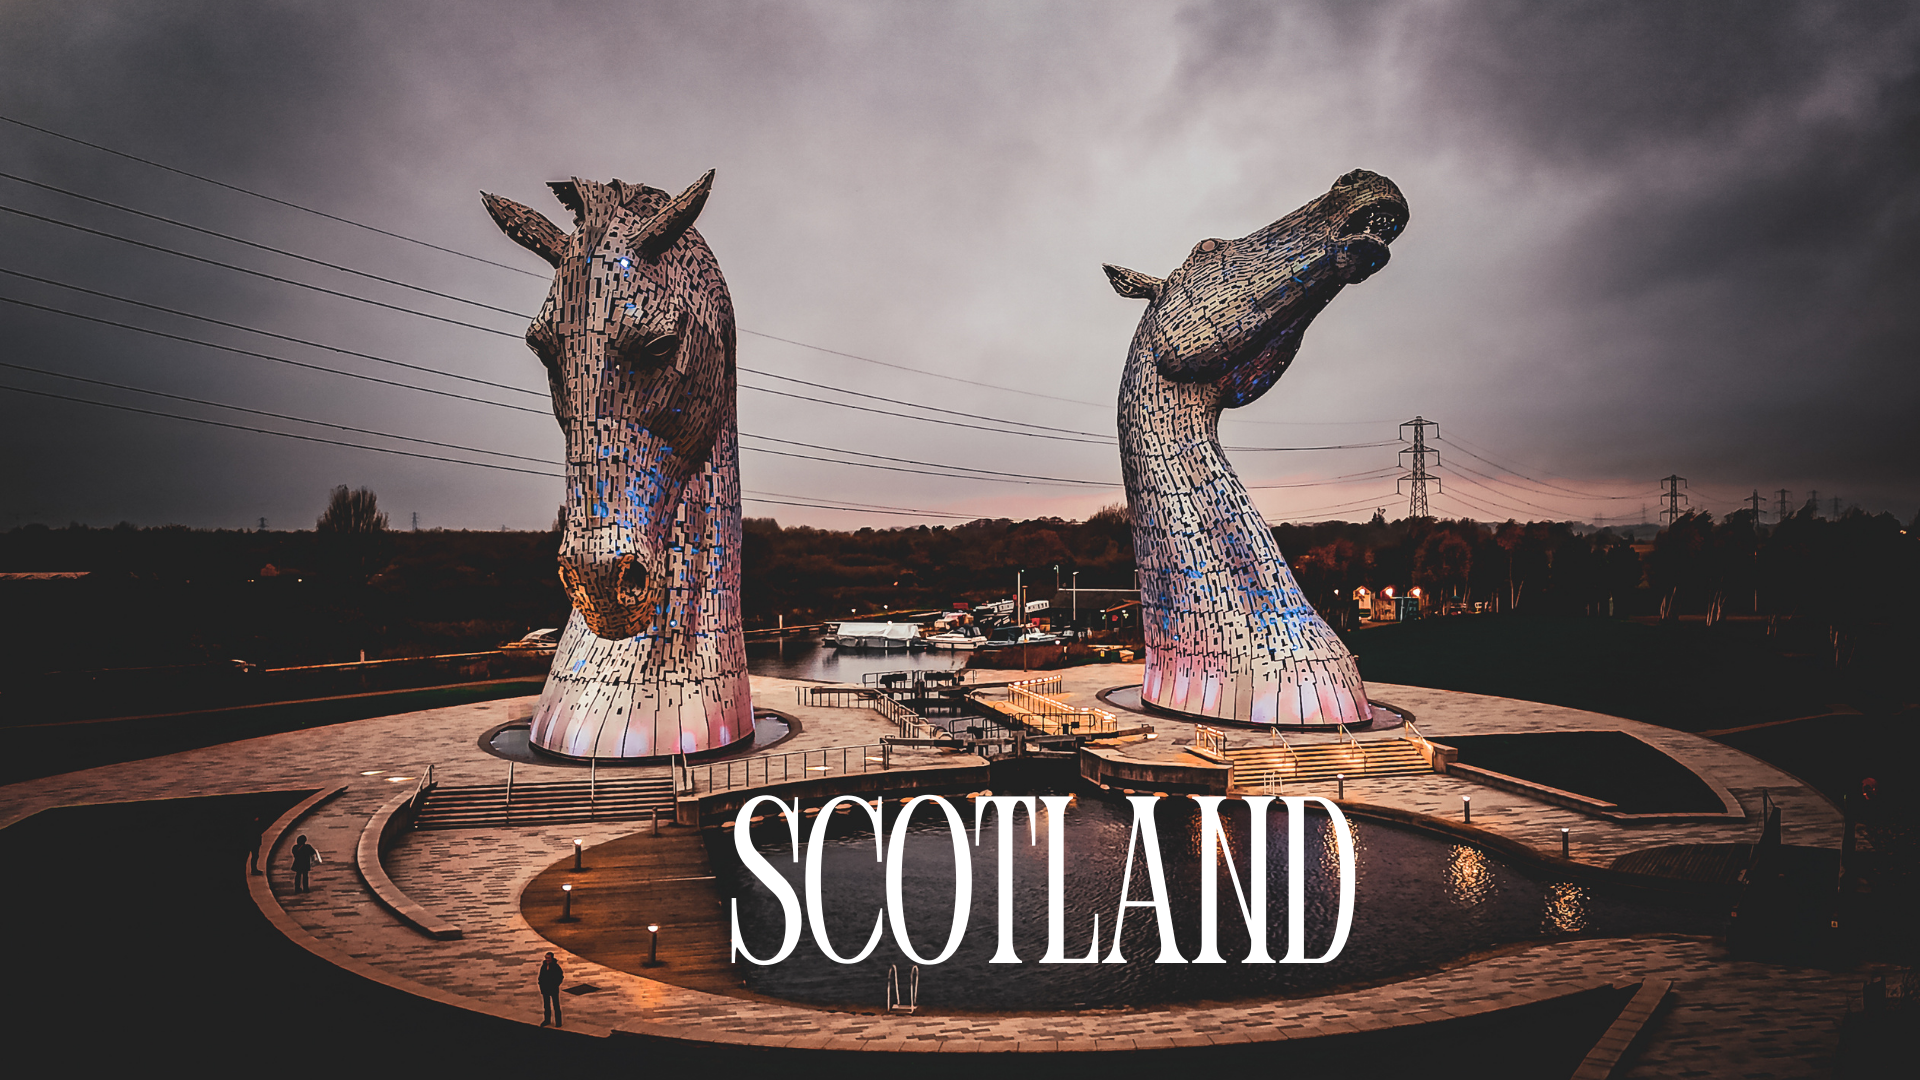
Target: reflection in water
[(1469, 877), (1566, 909)]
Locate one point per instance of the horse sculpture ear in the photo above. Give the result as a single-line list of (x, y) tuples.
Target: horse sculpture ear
[(527, 227), (665, 228), (1133, 283)]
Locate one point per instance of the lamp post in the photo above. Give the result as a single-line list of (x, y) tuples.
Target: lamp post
[(1076, 598), (1020, 612), (566, 903), (653, 944), (1566, 843), (576, 854), (1466, 808), (1342, 777)]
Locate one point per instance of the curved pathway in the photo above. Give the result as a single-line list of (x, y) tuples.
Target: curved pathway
[(1730, 1018)]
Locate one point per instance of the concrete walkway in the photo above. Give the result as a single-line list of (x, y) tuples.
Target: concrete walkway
[(1729, 1018)]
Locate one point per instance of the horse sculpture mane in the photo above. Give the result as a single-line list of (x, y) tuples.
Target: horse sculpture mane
[(1228, 633), (637, 339)]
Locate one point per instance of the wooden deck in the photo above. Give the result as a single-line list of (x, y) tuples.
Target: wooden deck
[(1717, 864), (628, 883)]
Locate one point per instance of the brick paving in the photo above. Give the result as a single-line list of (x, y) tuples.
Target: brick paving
[(1727, 1018)]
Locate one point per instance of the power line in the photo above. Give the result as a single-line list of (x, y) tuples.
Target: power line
[(249, 329), (929, 464), (281, 434), (273, 415), (267, 198), (1456, 440), (1329, 509), (256, 273), (277, 359), (912, 404), (262, 247), (412, 454), (490, 262)]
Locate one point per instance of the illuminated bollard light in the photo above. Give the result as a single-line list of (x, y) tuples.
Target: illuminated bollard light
[(1466, 808), (576, 854), (1342, 777), (653, 945), (566, 903), (1566, 843)]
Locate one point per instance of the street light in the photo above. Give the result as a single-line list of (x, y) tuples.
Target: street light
[(1466, 808), (1076, 598), (566, 903), (653, 945), (576, 854)]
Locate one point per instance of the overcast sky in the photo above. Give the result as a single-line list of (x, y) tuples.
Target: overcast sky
[(1646, 238)]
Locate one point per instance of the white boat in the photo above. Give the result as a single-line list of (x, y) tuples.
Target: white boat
[(877, 635), (1004, 636), (966, 637)]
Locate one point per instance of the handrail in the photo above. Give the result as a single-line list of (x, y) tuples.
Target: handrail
[(1210, 738), (506, 806), (1357, 747), (894, 1001), (735, 773)]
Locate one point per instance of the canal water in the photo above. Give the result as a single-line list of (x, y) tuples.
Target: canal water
[(806, 658), (1420, 900)]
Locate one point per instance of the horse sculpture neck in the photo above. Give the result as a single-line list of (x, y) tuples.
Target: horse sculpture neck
[(1229, 635)]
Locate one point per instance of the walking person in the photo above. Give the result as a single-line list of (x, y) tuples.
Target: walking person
[(550, 977), (304, 858), (255, 827)]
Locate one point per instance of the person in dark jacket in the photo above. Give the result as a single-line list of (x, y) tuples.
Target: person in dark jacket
[(550, 977), (304, 856)]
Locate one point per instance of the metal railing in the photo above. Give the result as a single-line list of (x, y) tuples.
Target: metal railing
[(895, 1004), (1050, 717), (1212, 740), (836, 697), (919, 677), (762, 769)]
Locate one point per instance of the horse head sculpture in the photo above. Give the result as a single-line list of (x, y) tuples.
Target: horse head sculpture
[(637, 339), (1228, 633)]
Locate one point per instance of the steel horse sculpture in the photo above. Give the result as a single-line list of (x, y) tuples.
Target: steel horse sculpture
[(637, 338), (1228, 633)]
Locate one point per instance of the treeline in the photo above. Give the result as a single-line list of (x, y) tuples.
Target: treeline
[(174, 595), (1854, 569), (810, 575)]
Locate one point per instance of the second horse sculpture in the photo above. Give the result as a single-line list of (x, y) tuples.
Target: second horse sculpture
[(637, 339), (1228, 633)]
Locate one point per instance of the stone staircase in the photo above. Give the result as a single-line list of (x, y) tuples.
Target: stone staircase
[(487, 805), (1264, 766)]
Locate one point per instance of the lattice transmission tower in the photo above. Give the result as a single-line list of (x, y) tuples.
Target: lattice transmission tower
[(1674, 498), (1418, 476)]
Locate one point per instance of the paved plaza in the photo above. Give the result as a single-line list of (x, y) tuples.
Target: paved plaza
[(1726, 1018)]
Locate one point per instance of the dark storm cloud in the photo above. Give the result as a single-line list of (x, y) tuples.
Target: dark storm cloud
[(1646, 237), (1741, 210)]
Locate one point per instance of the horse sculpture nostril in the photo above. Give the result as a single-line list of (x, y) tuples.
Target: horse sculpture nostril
[(631, 585)]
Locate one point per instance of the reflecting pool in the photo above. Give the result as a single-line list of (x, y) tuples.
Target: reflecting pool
[(1420, 900)]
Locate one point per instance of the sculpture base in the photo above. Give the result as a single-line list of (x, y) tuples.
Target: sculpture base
[(603, 699), (1280, 693)]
